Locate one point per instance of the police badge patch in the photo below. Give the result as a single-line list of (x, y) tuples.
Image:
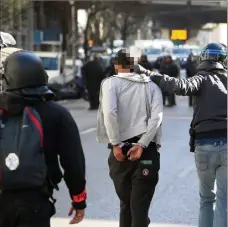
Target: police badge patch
[(12, 161)]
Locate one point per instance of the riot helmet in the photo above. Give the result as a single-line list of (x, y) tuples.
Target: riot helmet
[(214, 52), (23, 69)]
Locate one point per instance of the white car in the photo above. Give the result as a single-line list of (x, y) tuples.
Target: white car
[(52, 65)]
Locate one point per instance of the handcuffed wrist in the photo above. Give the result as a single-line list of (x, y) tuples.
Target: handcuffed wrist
[(140, 144)]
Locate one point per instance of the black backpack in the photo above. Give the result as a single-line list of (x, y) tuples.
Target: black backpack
[(22, 161)]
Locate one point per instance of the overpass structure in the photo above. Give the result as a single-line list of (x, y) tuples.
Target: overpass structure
[(173, 13), (169, 13)]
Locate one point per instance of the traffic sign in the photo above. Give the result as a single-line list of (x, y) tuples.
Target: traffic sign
[(179, 35)]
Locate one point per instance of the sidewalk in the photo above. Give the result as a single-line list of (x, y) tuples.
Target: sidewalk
[(58, 222)]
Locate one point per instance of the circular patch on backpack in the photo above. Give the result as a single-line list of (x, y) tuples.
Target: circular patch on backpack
[(12, 161)]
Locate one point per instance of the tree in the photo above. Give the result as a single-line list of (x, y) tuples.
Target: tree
[(102, 27), (128, 24), (10, 11), (92, 28)]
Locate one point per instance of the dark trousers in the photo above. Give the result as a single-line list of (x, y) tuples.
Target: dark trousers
[(172, 99), (93, 99), (135, 184), (164, 96), (25, 209), (190, 100)]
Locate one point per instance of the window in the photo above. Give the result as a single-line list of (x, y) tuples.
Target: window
[(152, 51), (50, 63)]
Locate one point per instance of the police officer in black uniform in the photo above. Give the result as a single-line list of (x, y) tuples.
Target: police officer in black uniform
[(208, 128)]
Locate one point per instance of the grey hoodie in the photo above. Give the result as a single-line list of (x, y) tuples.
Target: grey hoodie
[(130, 105)]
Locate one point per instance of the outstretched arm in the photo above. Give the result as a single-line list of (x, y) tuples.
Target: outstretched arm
[(190, 86)]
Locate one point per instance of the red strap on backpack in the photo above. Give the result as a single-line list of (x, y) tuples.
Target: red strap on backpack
[(37, 124)]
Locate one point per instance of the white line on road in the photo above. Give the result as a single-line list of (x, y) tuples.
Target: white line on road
[(186, 171), (88, 131), (177, 117)]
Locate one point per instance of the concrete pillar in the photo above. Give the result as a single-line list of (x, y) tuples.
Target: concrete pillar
[(74, 35), (30, 24)]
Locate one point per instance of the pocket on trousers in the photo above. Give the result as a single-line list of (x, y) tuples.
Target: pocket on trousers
[(149, 168), (41, 212), (148, 174), (201, 160), (114, 165)]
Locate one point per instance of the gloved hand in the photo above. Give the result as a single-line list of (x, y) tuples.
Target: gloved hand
[(140, 70)]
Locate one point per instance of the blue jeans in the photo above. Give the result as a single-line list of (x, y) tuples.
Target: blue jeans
[(211, 164)]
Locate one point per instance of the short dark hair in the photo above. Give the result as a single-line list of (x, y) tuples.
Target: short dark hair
[(124, 59)]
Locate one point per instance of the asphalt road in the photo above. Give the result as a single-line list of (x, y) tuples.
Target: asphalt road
[(175, 203)]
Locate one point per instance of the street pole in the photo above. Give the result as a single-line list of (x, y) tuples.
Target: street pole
[(74, 34), (19, 32), (30, 25)]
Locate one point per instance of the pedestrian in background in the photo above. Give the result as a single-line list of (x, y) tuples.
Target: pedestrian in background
[(93, 74), (169, 67), (208, 129), (110, 70), (143, 61)]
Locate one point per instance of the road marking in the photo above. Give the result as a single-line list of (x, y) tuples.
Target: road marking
[(186, 171), (88, 131), (177, 117)]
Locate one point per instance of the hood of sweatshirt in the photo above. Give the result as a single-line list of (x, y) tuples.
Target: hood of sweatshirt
[(140, 78)]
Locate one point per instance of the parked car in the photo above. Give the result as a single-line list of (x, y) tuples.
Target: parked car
[(62, 80)]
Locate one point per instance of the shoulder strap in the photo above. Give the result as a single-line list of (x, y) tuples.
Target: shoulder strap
[(37, 124), (147, 101)]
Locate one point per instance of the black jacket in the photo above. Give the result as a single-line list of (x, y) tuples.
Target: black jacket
[(110, 71), (209, 86), (191, 66), (146, 65), (61, 139), (170, 69), (93, 75)]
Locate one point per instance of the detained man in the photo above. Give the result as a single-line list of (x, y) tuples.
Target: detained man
[(129, 121)]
